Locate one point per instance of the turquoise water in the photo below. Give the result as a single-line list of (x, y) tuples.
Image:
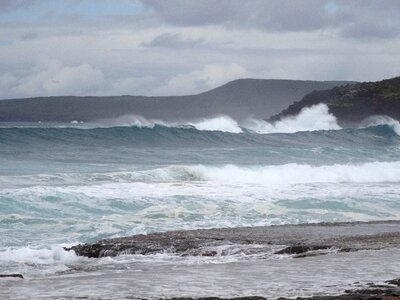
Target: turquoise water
[(64, 184)]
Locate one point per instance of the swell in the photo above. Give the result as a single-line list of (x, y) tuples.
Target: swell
[(171, 136)]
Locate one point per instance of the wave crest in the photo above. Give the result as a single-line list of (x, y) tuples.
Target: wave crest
[(375, 121), (316, 117), (302, 173), (221, 123), (313, 118), (270, 175)]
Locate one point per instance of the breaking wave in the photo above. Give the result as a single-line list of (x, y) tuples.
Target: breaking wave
[(269, 175), (219, 123), (301, 173), (376, 121), (312, 118), (222, 123), (286, 174)]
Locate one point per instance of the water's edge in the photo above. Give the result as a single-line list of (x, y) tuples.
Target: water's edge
[(298, 239), (349, 260)]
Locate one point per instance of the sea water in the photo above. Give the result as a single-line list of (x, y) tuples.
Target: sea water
[(64, 184)]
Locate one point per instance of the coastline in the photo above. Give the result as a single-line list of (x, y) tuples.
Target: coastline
[(300, 241), (294, 239), (323, 261)]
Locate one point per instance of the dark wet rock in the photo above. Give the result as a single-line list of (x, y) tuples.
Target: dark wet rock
[(394, 281), (300, 249), (209, 253), (93, 251), (11, 276), (294, 239), (310, 254), (381, 292), (353, 103), (344, 249)]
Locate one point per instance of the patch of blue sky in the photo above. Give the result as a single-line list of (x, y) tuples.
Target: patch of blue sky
[(4, 43), (331, 7), (83, 8)]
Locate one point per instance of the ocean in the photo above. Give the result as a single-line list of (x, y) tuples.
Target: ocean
[(65, 184)]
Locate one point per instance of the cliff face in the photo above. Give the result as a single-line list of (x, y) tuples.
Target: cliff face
[(353, 103)]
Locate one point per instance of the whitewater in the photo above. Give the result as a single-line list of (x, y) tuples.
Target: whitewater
[(64, 184)]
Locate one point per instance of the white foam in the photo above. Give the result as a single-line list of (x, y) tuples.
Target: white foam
[(126, 121), (316, 117), (198, 196), (270, 175), (301, 173), (218, 123), (221, 123), (30, 255)]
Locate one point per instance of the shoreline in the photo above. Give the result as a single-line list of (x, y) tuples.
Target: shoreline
[(297, 241), (327, 261), (301, 240)]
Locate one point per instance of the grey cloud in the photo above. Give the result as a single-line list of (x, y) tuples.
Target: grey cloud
[(370, 30), (29, 36), (277, 15), (172, 40), (352, 19), (356, 19), (195, 13), (372, 19), (9, 5), (123, 54)]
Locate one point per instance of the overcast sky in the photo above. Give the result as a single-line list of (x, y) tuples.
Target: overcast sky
[(175, 47)]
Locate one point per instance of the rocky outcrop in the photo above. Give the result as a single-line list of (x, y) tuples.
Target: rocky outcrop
[(301, 240), (11, 276), (353, 103), (295, 241)]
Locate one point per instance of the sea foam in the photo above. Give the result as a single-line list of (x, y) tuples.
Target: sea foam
[(221, 123), (316, 117), (285, 174), (301, 173), (31, 255)]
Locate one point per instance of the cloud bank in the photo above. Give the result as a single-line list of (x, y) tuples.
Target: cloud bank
[(176, 47)]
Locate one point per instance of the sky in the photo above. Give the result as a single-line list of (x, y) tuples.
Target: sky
[(178, 47)]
